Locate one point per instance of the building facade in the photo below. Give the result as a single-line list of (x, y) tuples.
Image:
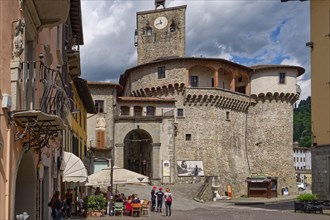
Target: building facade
[(39, 58), (180, 118), (302, 158), (320, 78)]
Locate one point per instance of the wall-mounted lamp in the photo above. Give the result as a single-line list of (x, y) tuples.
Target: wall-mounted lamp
[(310, 44)]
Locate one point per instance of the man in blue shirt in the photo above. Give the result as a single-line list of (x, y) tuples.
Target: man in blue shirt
[(160, 196)]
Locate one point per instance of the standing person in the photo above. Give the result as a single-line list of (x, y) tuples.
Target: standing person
[(97, 191), (109, 197), (160, 196), (57, 205), (168, 201), (153, 198), (69, 201)]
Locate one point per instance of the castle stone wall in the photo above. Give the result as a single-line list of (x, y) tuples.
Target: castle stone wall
[(269, 135)]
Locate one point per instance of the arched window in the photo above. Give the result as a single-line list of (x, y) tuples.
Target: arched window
[(172, 27), (149, 31)]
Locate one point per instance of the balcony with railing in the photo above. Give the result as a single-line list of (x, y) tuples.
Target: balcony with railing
[(41, 13), (101, 144), (42, 121)]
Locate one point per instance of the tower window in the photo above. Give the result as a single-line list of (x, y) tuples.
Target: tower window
[(194, 81), (180, 112), (282, 78), (149, 31), (240, 79), (188, 137), (138, 110), (99, 105), (227, 116), (161, 72), (150, 111), (124, 110), (172, 27)]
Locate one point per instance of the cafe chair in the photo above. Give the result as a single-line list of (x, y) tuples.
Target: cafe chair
[(145, 208), (136, 209), (119, 208)]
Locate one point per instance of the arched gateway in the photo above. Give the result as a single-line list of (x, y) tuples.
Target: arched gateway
[(138, 152)]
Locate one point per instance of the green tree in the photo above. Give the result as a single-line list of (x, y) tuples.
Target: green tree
[(302, 123)]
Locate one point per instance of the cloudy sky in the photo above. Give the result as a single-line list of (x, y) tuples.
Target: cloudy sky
[(248, 32)]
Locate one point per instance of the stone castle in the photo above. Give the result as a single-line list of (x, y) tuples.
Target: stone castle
[(182, 119)]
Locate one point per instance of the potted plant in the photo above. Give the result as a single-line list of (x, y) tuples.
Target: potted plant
[(95, 205), (304, 201)]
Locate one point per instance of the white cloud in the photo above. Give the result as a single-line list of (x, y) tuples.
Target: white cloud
[(245, 31)]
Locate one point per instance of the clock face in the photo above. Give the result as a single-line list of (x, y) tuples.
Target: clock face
[(160, 22)]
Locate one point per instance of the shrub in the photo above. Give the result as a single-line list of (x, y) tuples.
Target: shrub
[(93, 203), (307, 197)]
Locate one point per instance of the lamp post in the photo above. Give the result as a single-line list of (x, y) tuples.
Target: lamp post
[(112, 151)]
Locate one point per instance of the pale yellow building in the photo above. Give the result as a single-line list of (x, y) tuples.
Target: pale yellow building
[(320, 81)]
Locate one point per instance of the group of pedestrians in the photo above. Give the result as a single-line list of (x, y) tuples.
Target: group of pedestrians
[(160, 197), (61, 208)]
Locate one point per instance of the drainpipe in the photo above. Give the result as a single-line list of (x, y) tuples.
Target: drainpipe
[(7, 184)]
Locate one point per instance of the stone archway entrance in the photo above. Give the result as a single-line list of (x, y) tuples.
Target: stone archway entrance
[(25, 195), (138, 152)]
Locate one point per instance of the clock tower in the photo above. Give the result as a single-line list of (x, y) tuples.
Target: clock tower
[(160, 33)]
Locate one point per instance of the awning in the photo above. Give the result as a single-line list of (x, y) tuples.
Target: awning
[(74, 168), (120, 176)]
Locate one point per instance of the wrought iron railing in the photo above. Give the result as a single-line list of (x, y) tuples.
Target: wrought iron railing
[(54, 99)]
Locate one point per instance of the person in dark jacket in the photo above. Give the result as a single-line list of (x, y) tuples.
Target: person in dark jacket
[(69, 202), (57, 205), (153, 198), (160, 196)]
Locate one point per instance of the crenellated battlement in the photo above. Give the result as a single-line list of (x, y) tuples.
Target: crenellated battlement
[(165, 90), (217, 97), (288, 97)]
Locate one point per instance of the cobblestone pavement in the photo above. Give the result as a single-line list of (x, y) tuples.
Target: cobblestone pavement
[(185, 207)]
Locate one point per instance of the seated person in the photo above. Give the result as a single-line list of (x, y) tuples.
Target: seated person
[(136, 204), (118, 198), (128, 206), (136, 199)]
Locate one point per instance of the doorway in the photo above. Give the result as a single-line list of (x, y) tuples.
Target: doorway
[(138, 152), (26, 180)]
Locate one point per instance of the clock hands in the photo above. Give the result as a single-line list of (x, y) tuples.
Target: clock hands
[(160, 22)]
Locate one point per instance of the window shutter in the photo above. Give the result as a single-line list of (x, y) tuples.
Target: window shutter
[(100, 136)]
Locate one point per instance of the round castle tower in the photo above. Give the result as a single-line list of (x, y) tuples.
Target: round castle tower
[(270, 122)]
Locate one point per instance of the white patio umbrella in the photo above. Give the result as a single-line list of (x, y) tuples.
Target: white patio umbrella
[(120, 176)]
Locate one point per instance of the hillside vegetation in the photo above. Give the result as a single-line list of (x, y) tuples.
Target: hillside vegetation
[(302, 123)]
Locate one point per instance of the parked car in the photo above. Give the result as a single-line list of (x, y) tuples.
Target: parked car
[(301, 186)]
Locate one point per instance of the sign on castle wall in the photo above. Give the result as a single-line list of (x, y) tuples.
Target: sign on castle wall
[(190, 168)]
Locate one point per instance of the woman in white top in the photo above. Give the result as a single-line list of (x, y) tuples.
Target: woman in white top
[(168, 201)]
